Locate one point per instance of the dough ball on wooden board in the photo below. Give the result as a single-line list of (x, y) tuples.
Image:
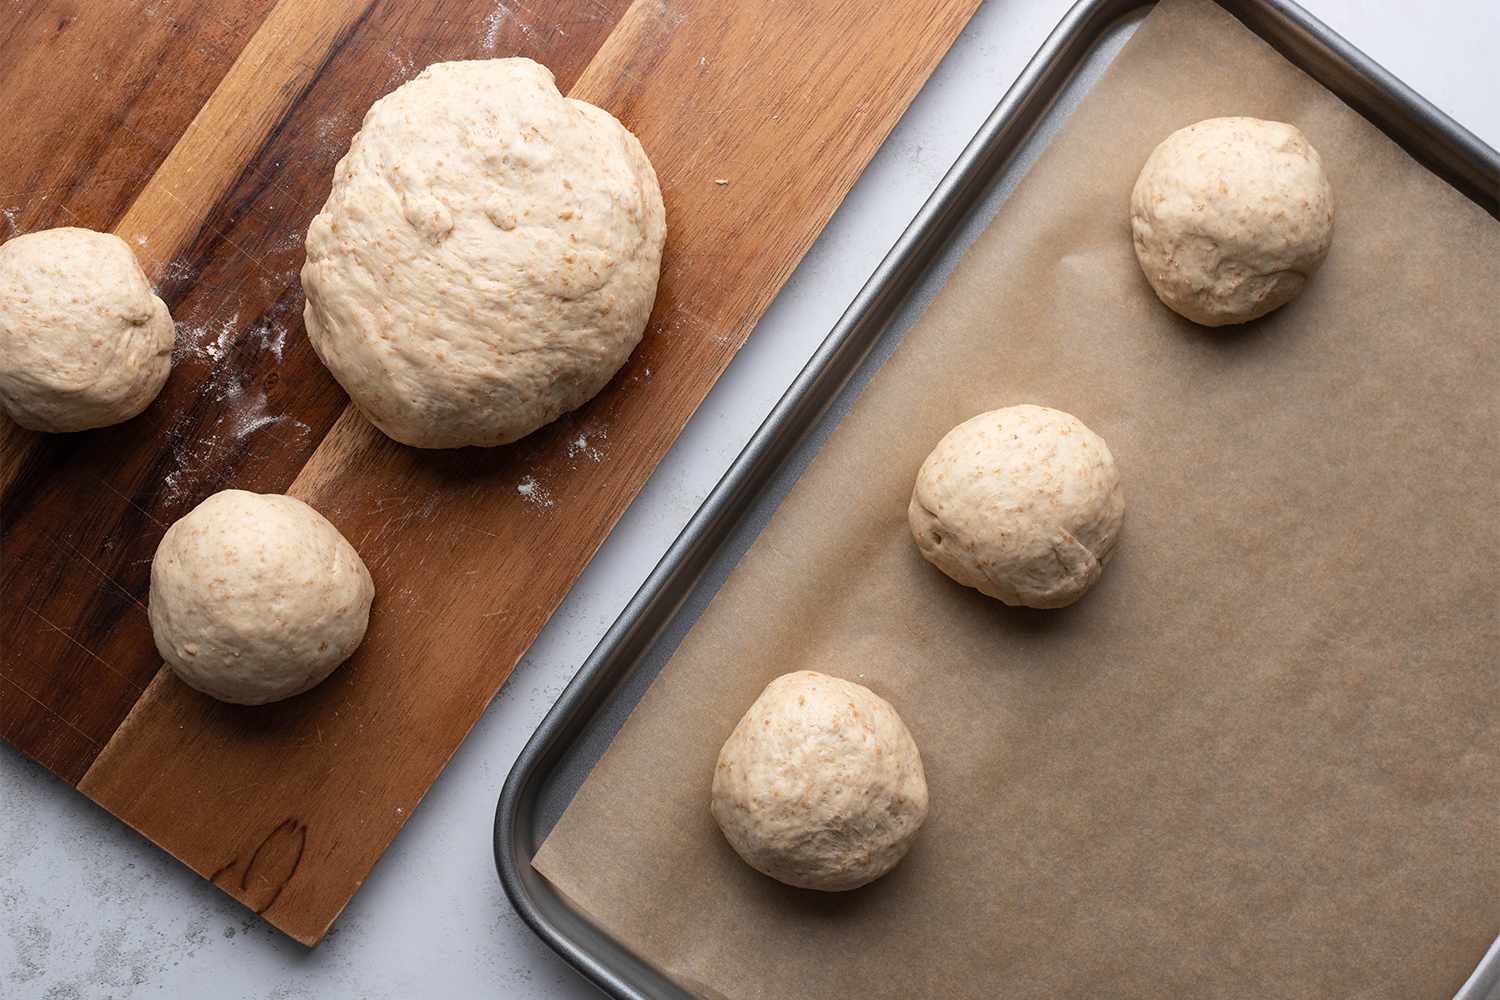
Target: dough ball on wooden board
[(1231, 216), (1023, 504), (257, 597), (84, 342), (487, 258), (820, 785)]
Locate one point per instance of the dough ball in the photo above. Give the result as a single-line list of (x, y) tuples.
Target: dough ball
[(256, 597), (487, 258), (83, 340), (1231, 217), (820, 785), (1022, 504)]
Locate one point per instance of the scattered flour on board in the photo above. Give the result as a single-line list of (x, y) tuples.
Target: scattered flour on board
[(580, 446), (248, 412), (333, 133), (206, 341), (406, 66), (287, 242), (203, 455), (534, 492), (212, 341), (11, 229), (492, 23), (270, 333), (272, 337), (176, 270)]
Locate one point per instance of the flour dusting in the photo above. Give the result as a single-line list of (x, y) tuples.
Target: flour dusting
[(249, 413), (288, 242), (10, 220), (176, 270), (332, 135), (492, 24), (534, 492), (270, 333), (581, 446), (203, 455), (212, 341), (272, 338), (406, 66), (206, 341)]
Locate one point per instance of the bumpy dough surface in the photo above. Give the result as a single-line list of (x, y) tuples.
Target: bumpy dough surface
[(1022, 504), (820, 785), (487, 258), (1231, 216), (256, 597), (84, 342)]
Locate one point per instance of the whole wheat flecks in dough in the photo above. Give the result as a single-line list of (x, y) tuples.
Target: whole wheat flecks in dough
[(256, 597), (820, 785), (84, 342), (1231, 216), (487, 258), (1023, 504)]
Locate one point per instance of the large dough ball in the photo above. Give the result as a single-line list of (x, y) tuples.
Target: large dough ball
[(1022, 504), (83, 340), (487, 258), (1231, 217), (256, 597), (820, 785)]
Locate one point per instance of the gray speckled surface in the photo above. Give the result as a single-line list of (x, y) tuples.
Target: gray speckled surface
[(89, 909)]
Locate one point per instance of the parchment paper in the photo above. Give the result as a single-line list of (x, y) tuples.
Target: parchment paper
[(1262, 758)]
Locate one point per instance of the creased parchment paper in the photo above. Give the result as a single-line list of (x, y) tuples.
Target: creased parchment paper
[(1262, 758)]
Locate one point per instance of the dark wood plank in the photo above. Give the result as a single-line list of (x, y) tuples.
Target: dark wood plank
[(95, 95), (472, 550)]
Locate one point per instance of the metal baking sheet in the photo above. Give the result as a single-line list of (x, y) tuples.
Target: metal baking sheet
[(579, 728)]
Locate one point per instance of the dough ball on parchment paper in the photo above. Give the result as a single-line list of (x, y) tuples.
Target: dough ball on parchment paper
[(1022, 504), (1231, 216), (820, 785), (257, 597), (84, 342), (487, 258)]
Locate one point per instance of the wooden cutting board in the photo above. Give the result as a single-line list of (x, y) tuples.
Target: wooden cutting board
[(205, 134)]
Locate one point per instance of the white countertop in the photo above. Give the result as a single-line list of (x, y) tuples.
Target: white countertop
[(90, 909)]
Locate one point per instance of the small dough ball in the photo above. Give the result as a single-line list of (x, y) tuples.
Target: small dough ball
[(256, 597), (487, 258), (1023, 504), (1231, 216), (84, 342), (820, 785)]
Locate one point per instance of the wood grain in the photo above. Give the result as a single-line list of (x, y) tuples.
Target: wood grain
[(95, 97), (247, 401), (266, 79), (186, 163), (287, 807), (74, 711), (97, 94)]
